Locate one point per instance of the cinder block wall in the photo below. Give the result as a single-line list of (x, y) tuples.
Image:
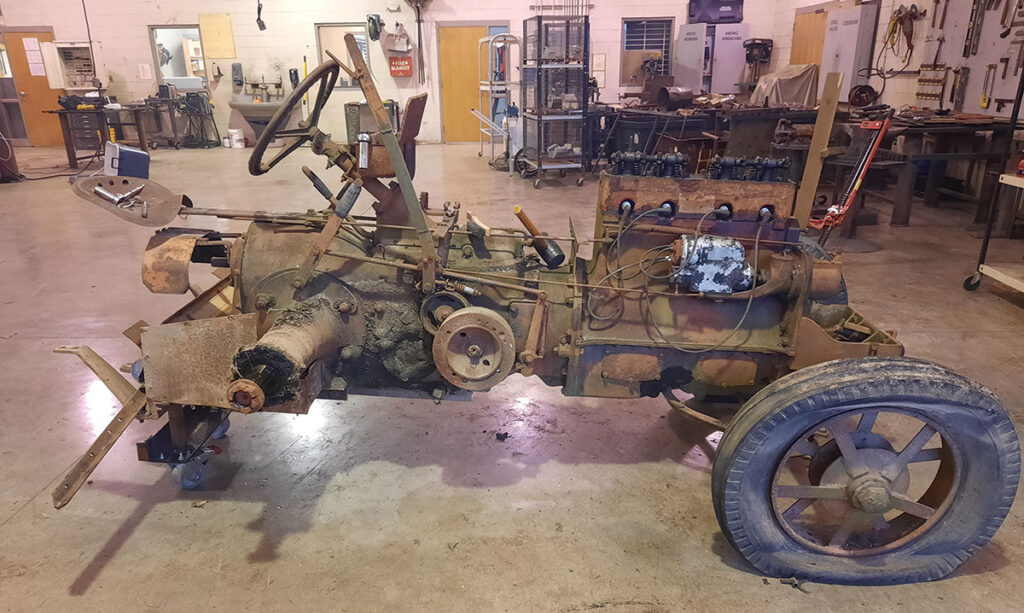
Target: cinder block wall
[(121, 27)]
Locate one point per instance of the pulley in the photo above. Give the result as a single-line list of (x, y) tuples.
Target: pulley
[(474, 348)]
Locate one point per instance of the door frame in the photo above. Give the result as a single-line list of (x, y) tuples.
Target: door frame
[(437, 61), (159, 74), (23, 142)]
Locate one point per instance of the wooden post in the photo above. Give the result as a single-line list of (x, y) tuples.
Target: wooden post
[(819, 147)]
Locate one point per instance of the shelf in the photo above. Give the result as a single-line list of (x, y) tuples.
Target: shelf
[(535, 116), (1012, 180), (533, 64), (1011, 275)]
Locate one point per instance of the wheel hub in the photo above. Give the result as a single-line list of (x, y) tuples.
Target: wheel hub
[(870, 494)]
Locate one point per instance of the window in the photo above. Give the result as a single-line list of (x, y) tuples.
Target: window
[(331, 37), (642, 40)]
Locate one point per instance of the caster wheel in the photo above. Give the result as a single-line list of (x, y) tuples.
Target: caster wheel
[(192, 474), (867, 471), (222, 429), (972, 282), (561, 173), (579, 181), (536, 184), (479, 154)]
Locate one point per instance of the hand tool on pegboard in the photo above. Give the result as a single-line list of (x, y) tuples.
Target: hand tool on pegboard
[(974, 28), (990, 81), (1005, 61), (956, 93), (1020, 55), (1001, 102)]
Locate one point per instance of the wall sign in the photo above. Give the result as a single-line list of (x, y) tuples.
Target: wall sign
[(401, 65)]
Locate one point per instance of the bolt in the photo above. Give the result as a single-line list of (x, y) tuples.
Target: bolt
[(264, 302), (343, 307), (467, 251), (474, 351), (407, 278)]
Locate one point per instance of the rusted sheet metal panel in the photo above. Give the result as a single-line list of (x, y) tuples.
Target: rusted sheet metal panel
[(191, 362), (162, 205), (813, 344), (631, 367), (726, 372), (166, 260)]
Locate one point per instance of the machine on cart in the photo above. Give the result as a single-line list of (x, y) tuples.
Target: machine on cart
[(847, 462)]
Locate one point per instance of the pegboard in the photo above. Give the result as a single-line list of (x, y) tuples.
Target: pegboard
[(990, 49)]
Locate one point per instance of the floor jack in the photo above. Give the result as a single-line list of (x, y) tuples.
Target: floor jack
[(837, 212)]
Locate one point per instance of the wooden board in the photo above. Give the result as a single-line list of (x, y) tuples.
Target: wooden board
[(217, 36), (34, 93), (808, 37), (819, 147), (459, 49)]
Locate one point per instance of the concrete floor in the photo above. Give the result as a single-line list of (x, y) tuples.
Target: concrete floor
[(379, 504)]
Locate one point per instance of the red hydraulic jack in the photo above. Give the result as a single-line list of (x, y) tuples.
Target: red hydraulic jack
[(837, 212)]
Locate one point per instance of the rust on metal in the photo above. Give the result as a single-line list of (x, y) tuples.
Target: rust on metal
[(166, 260), (190, 362), (161, 204)]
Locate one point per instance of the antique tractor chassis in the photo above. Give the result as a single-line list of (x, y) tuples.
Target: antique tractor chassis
[(846, 462)]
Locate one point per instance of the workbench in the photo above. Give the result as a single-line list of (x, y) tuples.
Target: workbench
[(97, 120), (942, 134)]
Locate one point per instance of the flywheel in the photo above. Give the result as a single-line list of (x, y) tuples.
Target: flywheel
[(474, 348)]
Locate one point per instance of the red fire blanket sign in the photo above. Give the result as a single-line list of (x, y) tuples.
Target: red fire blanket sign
[(401, 66)]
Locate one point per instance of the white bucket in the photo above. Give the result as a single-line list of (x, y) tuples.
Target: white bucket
[(237, 138), (226, 142)]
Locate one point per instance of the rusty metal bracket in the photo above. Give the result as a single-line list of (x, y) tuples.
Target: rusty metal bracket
[(692, 413), (77, 476), (134, 401), (119, 386), (537, 334), (320, 245)]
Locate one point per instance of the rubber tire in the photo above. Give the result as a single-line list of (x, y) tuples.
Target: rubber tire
[(769, 422), (972, 282)]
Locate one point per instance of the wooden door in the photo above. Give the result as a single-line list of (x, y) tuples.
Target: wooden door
[(808, 37), (34, 93), (459, 50)]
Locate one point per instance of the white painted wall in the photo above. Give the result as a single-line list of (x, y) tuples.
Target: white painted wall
[(122, 28)]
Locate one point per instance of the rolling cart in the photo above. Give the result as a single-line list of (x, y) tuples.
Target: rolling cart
[(555, 93), (1009, 274)]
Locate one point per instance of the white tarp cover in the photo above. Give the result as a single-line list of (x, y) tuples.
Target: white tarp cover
[(797, 84)]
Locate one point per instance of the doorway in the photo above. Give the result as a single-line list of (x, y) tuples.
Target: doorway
[(178, 56), (459, 56), (25, 92)]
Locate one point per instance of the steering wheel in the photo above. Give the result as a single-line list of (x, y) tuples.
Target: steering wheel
[(325, 75)]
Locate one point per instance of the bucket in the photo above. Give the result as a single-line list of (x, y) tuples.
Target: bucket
[(237, 138), (226, 142)]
